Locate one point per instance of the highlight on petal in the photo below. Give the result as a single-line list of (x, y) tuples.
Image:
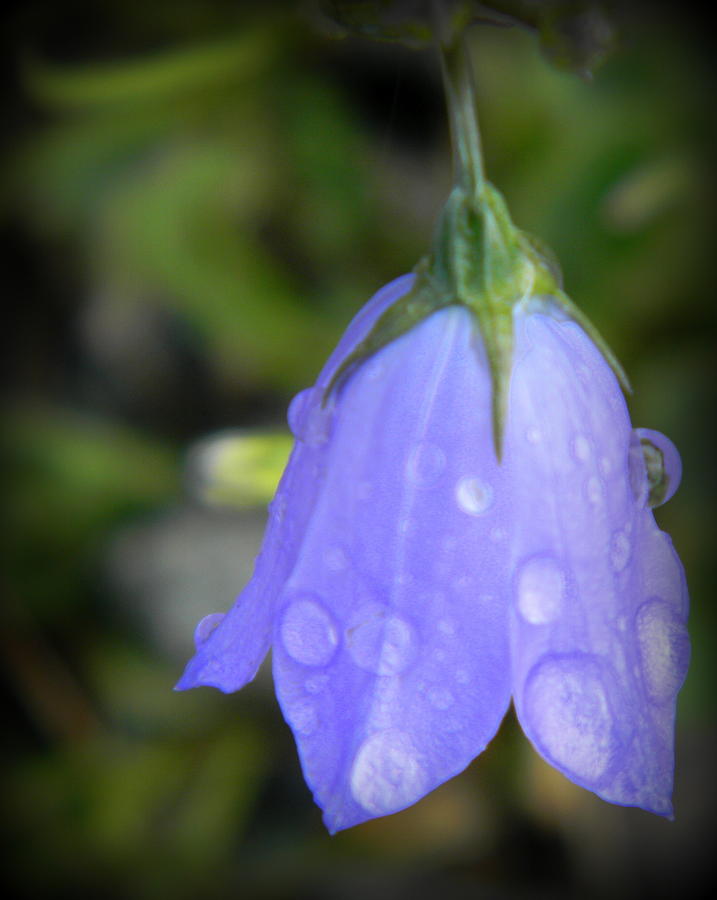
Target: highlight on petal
[(390, 651), (598, 640)]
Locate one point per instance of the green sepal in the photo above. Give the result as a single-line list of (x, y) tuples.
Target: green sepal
[(491, 273), (549, 283), (479, 260), (424, 298), (482, 262), (574, 312)]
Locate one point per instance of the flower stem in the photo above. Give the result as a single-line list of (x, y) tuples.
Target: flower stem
[(458, 82)]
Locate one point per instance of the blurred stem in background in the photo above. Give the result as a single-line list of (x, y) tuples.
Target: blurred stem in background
[(196, 197)]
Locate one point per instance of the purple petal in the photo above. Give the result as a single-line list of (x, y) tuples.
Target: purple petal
[(599, 647), (229, 654), (390, 656)]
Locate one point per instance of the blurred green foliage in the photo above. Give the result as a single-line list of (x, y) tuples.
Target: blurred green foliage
[(197, 197)]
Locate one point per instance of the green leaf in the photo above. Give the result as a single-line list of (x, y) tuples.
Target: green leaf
[(172, 74)]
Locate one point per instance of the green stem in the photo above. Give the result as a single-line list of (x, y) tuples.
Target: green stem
[(459, 88)]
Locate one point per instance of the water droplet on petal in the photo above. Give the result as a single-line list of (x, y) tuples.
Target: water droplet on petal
[(309, 420), (425, 465), (593, 489), (655, 467), (308, 633), (620, 549), (581, 448), (664, 649), (637, 471), (298, 407), (540, 589), (567, 704), (205, 627), (379, 642), (386, 775), (474, 496), (533, 436)]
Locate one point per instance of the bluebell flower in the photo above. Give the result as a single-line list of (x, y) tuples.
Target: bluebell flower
[(411, 584), (465, 519)]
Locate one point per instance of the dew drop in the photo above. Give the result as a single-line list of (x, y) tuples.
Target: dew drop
[(540, 590), (298, 406), (379, 642), (655, 467), (664, 649), (473, 496), (637, 471), (425, 465), (567, 705), (620, 549), (593, 489), (308, 633), (309, 420), (205, 628), (533, 435), (386, 775), (581, 448)]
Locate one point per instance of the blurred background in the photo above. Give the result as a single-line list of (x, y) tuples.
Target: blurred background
[(196, 197)]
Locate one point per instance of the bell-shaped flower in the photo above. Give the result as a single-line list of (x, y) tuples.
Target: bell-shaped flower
[(410, 584), (466, 519)]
